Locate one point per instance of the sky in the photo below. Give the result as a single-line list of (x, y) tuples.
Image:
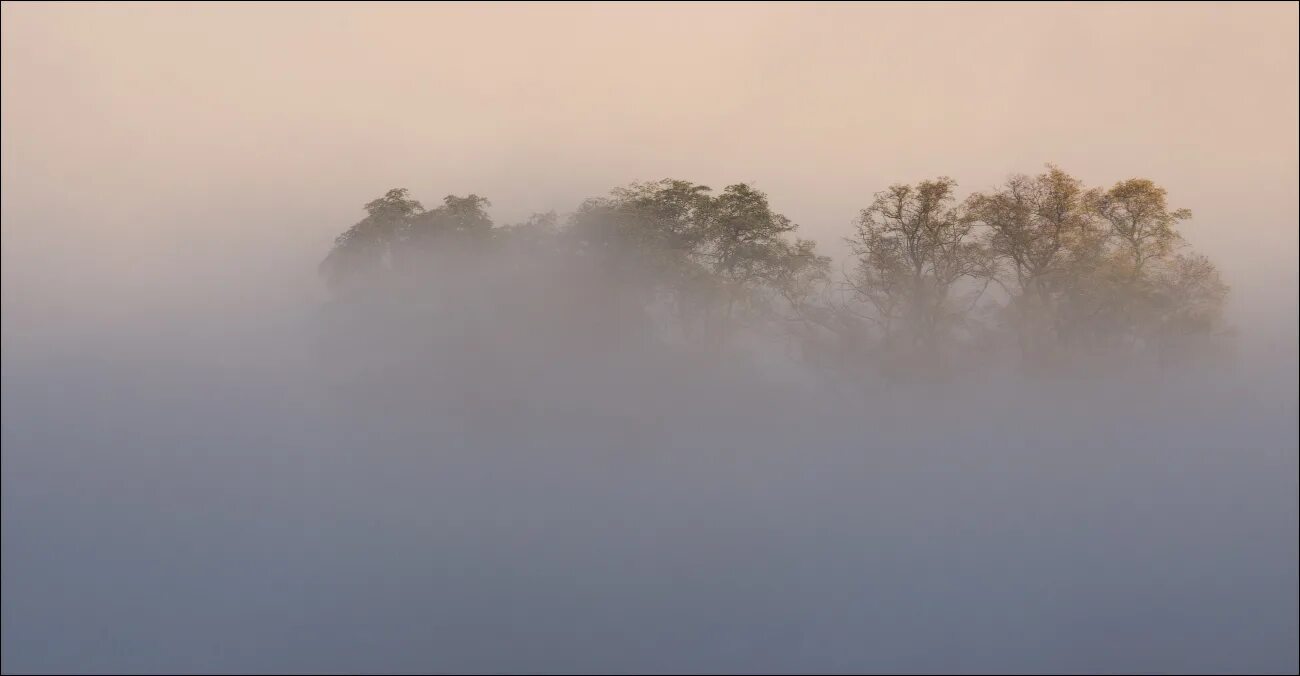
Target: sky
[(146, 133)]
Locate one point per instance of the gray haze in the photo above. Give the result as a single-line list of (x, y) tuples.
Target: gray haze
[(208, 466)]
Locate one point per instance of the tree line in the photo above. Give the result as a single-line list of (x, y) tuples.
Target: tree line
[(1040, 267)]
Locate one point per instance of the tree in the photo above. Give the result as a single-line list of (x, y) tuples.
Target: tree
[(1140, 221), (459, 222), (1042, 231), (1188, 299), (747, 252), (639, 242), (367, 248), (1151, 296), (913, 247), (661, 223), (709, 257)]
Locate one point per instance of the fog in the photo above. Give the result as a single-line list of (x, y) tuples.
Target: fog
[(212, 463)]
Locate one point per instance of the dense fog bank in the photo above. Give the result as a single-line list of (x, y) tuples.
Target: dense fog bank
[(287, 482)]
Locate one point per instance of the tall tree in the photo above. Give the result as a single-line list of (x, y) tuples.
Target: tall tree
[(1041, 230), (747, 251), (913, 247)]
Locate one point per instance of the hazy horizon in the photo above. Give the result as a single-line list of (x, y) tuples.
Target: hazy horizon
[(143, 127)]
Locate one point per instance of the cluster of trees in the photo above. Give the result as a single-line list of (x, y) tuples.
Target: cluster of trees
[(1042, 267), (1074, 270)]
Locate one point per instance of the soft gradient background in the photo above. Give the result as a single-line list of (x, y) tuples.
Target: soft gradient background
[(193, 481)]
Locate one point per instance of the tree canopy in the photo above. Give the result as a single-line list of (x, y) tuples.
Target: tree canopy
[(1041, 268)]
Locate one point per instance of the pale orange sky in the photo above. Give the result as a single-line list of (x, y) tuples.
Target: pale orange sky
[(139, 132)]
